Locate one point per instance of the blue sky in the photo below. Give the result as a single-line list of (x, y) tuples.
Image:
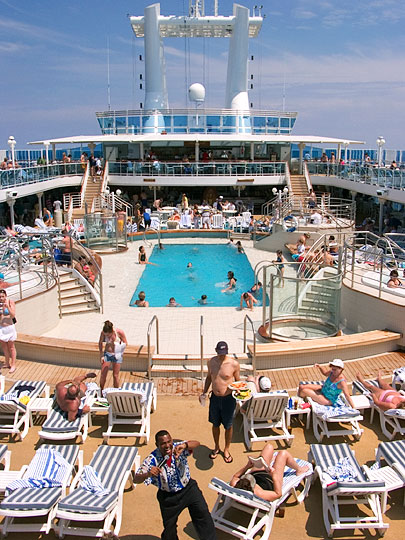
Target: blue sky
[(342, 65)]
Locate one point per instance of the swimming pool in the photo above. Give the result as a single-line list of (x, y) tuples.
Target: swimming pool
[(208, 275)]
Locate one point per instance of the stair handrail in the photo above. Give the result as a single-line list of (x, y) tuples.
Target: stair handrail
[(307, 177), (156, 320), (288, 177), (247, 318), (104, 182), (202, 346), (84, 184)]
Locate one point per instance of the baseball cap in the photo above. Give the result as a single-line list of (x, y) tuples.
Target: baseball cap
[(222, 347), (264, 383), (337, 362)]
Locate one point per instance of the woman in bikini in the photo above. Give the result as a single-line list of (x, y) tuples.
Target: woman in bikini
[(231, 283), (329, 392), (263, 476), (113, 352), (384, 396)]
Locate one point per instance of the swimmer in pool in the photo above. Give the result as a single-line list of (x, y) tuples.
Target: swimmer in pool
[(189, 265), (239, 246), (249, 299), (173, 303), (141, 302), (231, 283)]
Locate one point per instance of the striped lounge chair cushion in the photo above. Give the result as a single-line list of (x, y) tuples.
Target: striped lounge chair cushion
[(23, 387), (3, 450), (290, 480), (393, 451), (111, 464), (359, 388), (40, 498), (57, 422), (146, 388), (326, 455)]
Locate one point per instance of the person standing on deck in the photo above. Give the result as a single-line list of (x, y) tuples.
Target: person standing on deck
[(222, 371)]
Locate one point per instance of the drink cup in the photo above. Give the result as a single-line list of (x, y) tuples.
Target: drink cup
[(202, 398)]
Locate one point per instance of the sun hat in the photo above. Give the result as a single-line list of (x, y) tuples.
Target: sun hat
[(264, 383), (222, 347), (337, 362)]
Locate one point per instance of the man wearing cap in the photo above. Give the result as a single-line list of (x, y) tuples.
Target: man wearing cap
[(222, 371), (334, 385), (258, 384)]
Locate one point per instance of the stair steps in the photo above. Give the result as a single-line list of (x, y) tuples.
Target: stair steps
[(74, 297)]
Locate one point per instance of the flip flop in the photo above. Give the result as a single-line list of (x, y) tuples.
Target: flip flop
[(214, 454), (12, 370), (228, 459)]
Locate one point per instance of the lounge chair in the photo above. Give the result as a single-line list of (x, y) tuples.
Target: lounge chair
[(398, 378), (393, 472), (262, 512), (325, 417), (266, 412), (345, 483), (5, 457), (33, 502), (15, 415), (57, 427), (130, 405), (113, 465), (392, 422)]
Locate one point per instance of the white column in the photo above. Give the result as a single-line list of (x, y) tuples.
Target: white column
[(39, 195), (252, 151), (197, 151), (10, 203), (155, 79), (301, 147), (53, 152), (236, 81), (92, 146), (47, 144)]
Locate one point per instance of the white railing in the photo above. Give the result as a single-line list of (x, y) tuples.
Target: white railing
[(307, 177)]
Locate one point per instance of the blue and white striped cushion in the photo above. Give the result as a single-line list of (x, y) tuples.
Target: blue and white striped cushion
[(393, 451), (111, 464), (37, 388), (57, 422), (3, 450), (359, 388), (327, 455)]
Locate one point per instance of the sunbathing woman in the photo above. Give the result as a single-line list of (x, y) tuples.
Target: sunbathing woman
[(329, 392), (264, 478), (384, 396)]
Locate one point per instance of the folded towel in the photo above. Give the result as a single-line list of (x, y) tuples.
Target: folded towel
[(343, 471), (334, 411), (90, 481), (48, 468), (9, 397), (398, 413)]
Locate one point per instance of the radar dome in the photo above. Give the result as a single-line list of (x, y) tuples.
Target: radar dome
[(196, 92)]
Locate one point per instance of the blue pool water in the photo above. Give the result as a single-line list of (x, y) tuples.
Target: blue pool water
[(208, 275)]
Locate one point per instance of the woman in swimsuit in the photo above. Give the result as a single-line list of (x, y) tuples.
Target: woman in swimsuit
[(231, 283), (329, 392), (394, 282), (110, 355), (384, 396), (263, 476), (8, 333)]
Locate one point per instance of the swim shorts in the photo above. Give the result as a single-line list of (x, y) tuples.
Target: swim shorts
[(221, 410), (111, 357), (8, 333)]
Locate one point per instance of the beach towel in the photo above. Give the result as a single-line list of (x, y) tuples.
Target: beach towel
[(90, 481)]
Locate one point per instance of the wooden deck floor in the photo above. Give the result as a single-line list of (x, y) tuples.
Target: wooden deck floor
[(281, 378)]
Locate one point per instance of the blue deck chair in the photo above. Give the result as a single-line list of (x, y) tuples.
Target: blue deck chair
[(30, 502), (113, 465)]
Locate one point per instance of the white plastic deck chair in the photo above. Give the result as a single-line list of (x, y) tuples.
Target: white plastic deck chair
[(57, 427), (5, 455), (392, 422), (266, 412), (361, 490), (185, 221), (262, 512), (130, 406), (217, 221), (245, 220), (322, 424), (31, 503), (398, 378), (15, 415), (113, 465)]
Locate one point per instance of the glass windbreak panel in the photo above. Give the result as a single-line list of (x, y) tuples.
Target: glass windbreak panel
[(213, 121), (293, 122), (259, 121), (272, 122), (179, 121), (229, 124), (105, 232), (167, 119), (134, 121), (108, 122), (284, 122), (120, 124)]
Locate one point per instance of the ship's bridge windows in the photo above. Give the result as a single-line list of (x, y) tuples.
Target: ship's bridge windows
[(121, 124), (259, 124), (180, 123), (284, 122), (292, 122), (272, 122), (229, 123), (167, 120), (107, 125), (134, 124), (213, 123)]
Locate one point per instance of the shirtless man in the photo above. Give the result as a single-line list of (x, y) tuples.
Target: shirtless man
[(69, 394), (222, 371)]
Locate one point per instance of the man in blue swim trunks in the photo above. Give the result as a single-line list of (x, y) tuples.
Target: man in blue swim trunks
[(222, 371)]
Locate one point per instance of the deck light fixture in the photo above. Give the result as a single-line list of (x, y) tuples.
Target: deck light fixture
[(12, 142)]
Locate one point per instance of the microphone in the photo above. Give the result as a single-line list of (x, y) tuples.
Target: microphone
[(162, 461)]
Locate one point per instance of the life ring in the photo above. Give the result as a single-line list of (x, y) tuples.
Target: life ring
[(290, 223)]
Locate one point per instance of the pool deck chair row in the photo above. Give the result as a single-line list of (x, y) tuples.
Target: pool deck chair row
[(14, 414), (347, 485), (262, 512), (390, 457), (32, 509), (130, 406)]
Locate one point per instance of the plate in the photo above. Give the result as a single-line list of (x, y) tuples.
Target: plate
[(241, 399), (238, 385)]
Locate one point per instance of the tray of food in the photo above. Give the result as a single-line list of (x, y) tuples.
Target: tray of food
[(242, 395), (238, 385)]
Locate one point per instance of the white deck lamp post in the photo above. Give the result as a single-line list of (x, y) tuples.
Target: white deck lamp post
[(380, 144), (12, 142), (280, 196)]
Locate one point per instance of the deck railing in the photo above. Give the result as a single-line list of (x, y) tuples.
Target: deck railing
[(41, 173)]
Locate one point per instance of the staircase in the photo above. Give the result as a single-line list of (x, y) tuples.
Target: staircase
[(93, 189), (299, 191), (74, 297), (320, 299)]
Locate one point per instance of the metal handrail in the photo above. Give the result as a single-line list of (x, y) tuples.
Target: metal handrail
[(154, 319), (307, 177), (202, 346), (247, 318)]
